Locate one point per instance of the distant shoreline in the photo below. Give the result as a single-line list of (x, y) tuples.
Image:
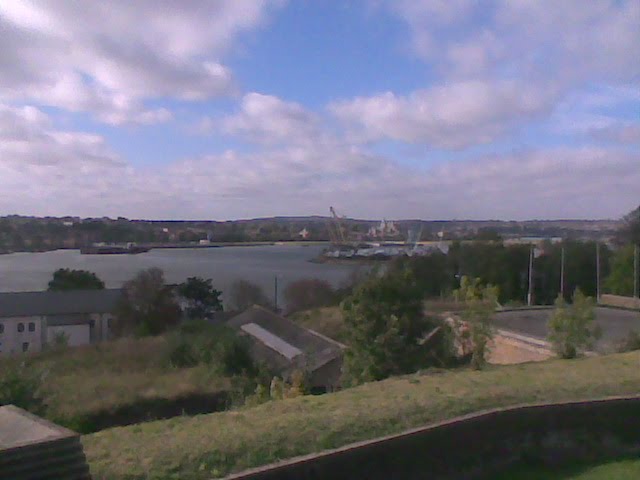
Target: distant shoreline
[(192, 246)]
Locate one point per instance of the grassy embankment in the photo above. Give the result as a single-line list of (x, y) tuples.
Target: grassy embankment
[(82, 382), (212, 445), (617, 470)]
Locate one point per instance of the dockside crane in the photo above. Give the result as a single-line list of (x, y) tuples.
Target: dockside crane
[(338, 225)]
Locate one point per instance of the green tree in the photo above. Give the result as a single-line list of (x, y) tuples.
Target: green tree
[(385, 324), (480, 304), (571, 328), (202, 299), (147, 306), (66, 279), (630, 232), (244, 294), (308, 293), (620, 280)]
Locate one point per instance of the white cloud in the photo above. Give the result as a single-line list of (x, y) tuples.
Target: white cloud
[(44, 171), (108, 58), (454, 115), (271, 120), (523, 38)]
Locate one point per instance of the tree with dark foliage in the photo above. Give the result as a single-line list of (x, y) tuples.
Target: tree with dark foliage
[(66, 279), (201, 297), (244, 294), (387, 330), (147, 307)]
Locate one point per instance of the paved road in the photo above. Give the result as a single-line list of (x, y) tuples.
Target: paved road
[(615, 323)]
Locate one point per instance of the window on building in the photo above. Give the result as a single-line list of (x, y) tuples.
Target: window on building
[(32, 327), (25, 346), (1, 327), (21, 327)]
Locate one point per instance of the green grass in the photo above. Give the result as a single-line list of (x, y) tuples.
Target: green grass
[(212, 445), (84, 380), (617, 470)]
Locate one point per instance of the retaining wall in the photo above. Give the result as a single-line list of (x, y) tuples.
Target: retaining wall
[(620, 301), (478, 446)]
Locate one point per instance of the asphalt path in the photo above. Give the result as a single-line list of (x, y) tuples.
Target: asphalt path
[(615, 323)]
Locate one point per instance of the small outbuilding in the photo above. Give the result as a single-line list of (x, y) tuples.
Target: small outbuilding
[(285, 347)]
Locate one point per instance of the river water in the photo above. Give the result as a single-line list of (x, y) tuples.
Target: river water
[(259, 264)]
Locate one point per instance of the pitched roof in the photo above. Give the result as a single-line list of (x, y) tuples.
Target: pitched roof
[(27, 304), (283, 344)]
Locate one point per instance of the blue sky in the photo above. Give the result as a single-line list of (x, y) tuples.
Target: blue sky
[(229, 109)]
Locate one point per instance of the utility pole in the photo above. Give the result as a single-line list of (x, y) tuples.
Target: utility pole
[(597, 272), (275, 293), (562, 273), (636, 270), (530, 294)]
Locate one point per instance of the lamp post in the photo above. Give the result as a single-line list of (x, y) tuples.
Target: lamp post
[(597, 272), (275, 293), (562, 272), (636, 269), (530, 294)]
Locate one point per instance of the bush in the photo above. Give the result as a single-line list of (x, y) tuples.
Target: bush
[(571, 328), (22, 386), (308, 293), (630, 343), (219, 346), (480, 302), (244, 294)]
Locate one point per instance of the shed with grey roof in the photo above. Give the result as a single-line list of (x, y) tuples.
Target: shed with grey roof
[(285, 347)]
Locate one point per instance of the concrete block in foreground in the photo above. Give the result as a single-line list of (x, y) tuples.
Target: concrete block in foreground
[(33, 448)]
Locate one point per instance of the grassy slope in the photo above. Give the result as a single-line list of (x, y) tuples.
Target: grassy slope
[(212, 445), (618, 470), (103, 376)]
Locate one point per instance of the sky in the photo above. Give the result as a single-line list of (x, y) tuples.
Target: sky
[(226, 109)]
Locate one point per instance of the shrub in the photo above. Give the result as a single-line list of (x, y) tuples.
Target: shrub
[(570, 328), (244, 294), (219, 346), (477, 332), (308, 293), (22, 386), (630, 343)]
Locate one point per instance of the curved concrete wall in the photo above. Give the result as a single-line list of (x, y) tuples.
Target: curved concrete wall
[(479, 445)]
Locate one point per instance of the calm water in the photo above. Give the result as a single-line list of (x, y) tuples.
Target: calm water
[(32, 271)]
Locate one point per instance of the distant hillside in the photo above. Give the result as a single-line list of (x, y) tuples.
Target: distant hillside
[(18, 233)]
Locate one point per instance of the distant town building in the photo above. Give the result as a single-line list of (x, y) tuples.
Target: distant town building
[(31, 320), (286, 347)]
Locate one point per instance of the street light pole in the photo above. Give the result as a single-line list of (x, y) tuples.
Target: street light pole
[(275, 293), (597, 272), (562, 273), (530, 294), (636, 269)]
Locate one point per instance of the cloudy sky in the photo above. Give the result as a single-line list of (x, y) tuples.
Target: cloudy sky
[(223, 109)]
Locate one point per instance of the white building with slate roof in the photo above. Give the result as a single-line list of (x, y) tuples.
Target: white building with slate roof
[(30, 320)]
